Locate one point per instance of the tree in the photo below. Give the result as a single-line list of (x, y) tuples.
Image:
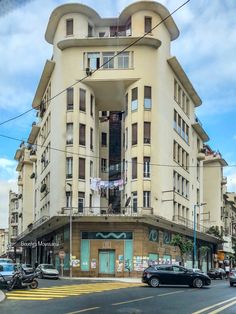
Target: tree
[(185, 246), (203, 250)]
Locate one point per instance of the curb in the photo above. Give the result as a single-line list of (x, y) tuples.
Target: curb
[(129, 280), (2, 296)]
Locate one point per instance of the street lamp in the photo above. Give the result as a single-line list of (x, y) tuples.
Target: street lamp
[(70, 208), (195, 232)]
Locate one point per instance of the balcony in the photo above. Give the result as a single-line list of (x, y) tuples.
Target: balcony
[(197, 126), (104, 211), (189, 223), (20, 181), (224, 181), (201, 155)]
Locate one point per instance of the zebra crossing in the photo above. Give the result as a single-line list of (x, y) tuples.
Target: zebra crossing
[(59, 292)]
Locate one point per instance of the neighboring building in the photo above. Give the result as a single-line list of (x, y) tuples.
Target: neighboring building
[(3, 242), (214, 187), (25, 187), (120, 150), (229, 218)]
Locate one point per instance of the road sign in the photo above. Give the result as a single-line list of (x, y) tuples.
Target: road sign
[(62, 254)]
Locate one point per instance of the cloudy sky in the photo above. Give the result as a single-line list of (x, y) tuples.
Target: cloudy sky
[(206, 49)]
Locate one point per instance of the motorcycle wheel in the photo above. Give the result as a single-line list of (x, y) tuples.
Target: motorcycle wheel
[(34, 284)]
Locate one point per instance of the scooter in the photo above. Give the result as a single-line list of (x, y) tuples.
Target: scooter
[(20, 280)]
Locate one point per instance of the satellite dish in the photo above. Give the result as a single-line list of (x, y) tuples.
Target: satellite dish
[(127, 201), (43, 188), (32, 175)]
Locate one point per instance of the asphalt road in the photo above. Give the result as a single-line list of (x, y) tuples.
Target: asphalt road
[(72, 297)]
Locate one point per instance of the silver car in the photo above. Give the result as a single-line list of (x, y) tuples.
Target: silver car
[(232, 277), (47, 271)]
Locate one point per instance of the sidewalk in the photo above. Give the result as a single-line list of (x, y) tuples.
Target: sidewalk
[(2, 296), (120, 279)]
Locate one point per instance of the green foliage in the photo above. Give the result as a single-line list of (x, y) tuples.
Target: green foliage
[(185, 246), (214, 230), (203, 250)]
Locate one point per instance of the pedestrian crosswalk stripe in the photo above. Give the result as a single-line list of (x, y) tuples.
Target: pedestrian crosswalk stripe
[(49, 293)]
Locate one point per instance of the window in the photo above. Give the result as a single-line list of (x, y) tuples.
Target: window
[(135, 202), (146, 199), (146, 167), (82, 134), (70, 98), (126, 138), (147, 97), (126, 104), (91, 138), (69, 27), (91, 105), (91, 168), (104, 139), (69, 167), (198, 170), (68, 199), (90, 31), (108, 60), (69, 133), (123, 60), (82, 100), (104, 165), (147, 133), (134, 134), (93, 60), (82, 168), (134, 99), (148, 24), (104, 113), (134, 168), (81, 196)]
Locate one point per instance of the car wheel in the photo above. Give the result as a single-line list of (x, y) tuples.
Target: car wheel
[(231, 284), (198, 283), (154, 282)]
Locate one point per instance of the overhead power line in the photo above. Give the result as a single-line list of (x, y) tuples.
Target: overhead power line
[(101, 66), (97, 157)]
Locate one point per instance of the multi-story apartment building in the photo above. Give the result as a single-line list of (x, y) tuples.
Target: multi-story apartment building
[(214, 185), (119, 148), (3, 242)]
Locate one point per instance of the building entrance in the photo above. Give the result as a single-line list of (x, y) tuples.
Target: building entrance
[(107, 262)]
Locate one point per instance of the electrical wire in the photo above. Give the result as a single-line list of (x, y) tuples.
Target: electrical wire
[(97, 157), (95, 70)]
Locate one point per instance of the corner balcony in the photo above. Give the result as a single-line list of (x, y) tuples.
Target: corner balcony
[(189, 223), (104, 211), (197, 126), (201, 155)]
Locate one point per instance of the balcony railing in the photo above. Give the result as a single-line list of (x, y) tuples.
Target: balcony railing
[(33, 226), (189, 223), (104, 211)]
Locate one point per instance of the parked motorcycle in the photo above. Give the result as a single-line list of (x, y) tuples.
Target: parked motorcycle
[(20, 280)]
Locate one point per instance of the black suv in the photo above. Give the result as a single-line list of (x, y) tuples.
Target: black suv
[(174, 275)]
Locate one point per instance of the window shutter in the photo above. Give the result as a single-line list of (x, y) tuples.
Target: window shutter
[(147, 132), (69, 27), (82, 134), (134, 134), (81, 168)]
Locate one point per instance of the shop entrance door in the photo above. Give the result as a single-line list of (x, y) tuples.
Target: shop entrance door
[(107, 262)]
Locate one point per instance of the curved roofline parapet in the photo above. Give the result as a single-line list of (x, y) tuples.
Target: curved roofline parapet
[(57, 14), (155, 7), (161, 10)]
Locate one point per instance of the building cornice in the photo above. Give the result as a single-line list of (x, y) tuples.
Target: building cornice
[(184, 80), (44, 80)]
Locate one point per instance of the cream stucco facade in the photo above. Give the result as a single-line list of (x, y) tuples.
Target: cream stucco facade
[(117, 137)]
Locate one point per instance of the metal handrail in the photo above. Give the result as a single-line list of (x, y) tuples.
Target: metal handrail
[(189, 223)]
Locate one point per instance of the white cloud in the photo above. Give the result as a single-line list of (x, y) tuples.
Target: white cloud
[(7, 168), (231, 181)]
